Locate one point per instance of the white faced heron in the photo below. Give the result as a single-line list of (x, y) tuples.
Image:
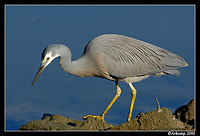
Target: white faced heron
[(117, 58)]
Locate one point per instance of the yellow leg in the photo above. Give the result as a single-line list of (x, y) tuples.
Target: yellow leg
[(101, 117), (133, 92)]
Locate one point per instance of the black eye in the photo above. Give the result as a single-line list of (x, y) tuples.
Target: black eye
[(47, 58)]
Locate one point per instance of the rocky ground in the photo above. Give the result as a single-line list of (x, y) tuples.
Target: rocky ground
[(160, 119)]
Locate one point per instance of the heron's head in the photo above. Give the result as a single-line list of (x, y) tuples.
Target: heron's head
[(48, 54)]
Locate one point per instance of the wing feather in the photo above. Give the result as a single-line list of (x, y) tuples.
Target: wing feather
[(128, 57)]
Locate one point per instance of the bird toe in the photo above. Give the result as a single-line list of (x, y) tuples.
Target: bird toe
[(96, 117)]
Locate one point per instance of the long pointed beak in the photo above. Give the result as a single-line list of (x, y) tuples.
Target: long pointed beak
[(42, 67)]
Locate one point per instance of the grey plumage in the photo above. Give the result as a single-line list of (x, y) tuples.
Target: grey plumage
[(123, 57), (115, 57)]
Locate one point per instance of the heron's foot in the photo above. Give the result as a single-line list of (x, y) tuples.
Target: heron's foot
[(111, 125), (94, 116)]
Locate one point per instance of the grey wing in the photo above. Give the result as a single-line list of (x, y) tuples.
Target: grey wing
[(128, 57)]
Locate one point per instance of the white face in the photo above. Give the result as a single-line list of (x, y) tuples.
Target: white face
[(49, 53), (46, 61), (48, 58)]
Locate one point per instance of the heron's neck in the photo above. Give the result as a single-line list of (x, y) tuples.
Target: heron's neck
[(78, 67)]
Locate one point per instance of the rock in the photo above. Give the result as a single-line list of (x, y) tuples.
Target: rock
[(186, 113), (52, 122), (91, 123), (154, 120), (57, 122), (160, 119)]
